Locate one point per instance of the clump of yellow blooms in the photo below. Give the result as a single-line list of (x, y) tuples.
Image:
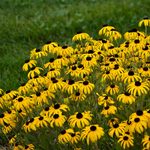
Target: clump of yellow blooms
[(94, 95)]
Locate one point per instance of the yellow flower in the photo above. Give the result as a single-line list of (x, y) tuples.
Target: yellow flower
[(80, 119), (138, 87), (126, 98), (146, 141), (65, 136), (92, 133), (80, 36), (86, 87), (112, 89), (126, 140), (145, 21), (57, 120), (29, 64), (37, 53), (108, 110), (117, 130)]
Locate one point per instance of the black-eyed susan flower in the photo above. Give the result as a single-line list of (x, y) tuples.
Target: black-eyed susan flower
[(75, 137), (80, 36), (41, 121), (112, 89), (21, 103), (65, 136), (34, 71), (89, 61), (92, 133), (145, 21), (18, 147), (70, 86), (138, 87), (80, 120), (57, 119), (144, 71), (105, 100), (109, 110), (144, 52), (130, 76), (24, 88), (37, 53), (126, 140), (56, 83), (57, 108), (4, 119), (30, 125), (49, 47), (53, 73), (77, 96), (126, 98), (29, 64), (113, 121), (139, 124), (116, 130), (146, 141), (29, 147), (8, 127), (105, 29), (86, 87)]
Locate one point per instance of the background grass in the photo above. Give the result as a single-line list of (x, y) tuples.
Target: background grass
[(26, 24)]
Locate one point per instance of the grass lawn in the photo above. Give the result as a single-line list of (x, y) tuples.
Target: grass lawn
[(26, 24)]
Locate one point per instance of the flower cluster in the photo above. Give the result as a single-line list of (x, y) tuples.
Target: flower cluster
[(96, 90)]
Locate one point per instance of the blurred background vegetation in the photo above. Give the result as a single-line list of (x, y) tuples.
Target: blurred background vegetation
[(28, 24)]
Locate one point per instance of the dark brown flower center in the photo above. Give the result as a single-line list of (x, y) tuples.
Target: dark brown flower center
[(51, 60), (107, 72), (56, 116), (56, 106), (52, 69), (116, 67), (137, 119), (79, 115), (106, 108), (130, 73), (59, 56), (38, 93), (77, 94), (92, 128), (115, 125), (88, 58), (26, 147), (112, 86), (136, 41), (37, 50), (74, 68), (127, 94), (112, 59), (64, 47), (85, 82), (139, 112), (63, 132), (125, 138), (73, 134), (70, 82), (1, 115), (145, 68), (90, 51), (80, 66), (137, 83), (20, 99), (41, 118), (26, 61), (46, 109)]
